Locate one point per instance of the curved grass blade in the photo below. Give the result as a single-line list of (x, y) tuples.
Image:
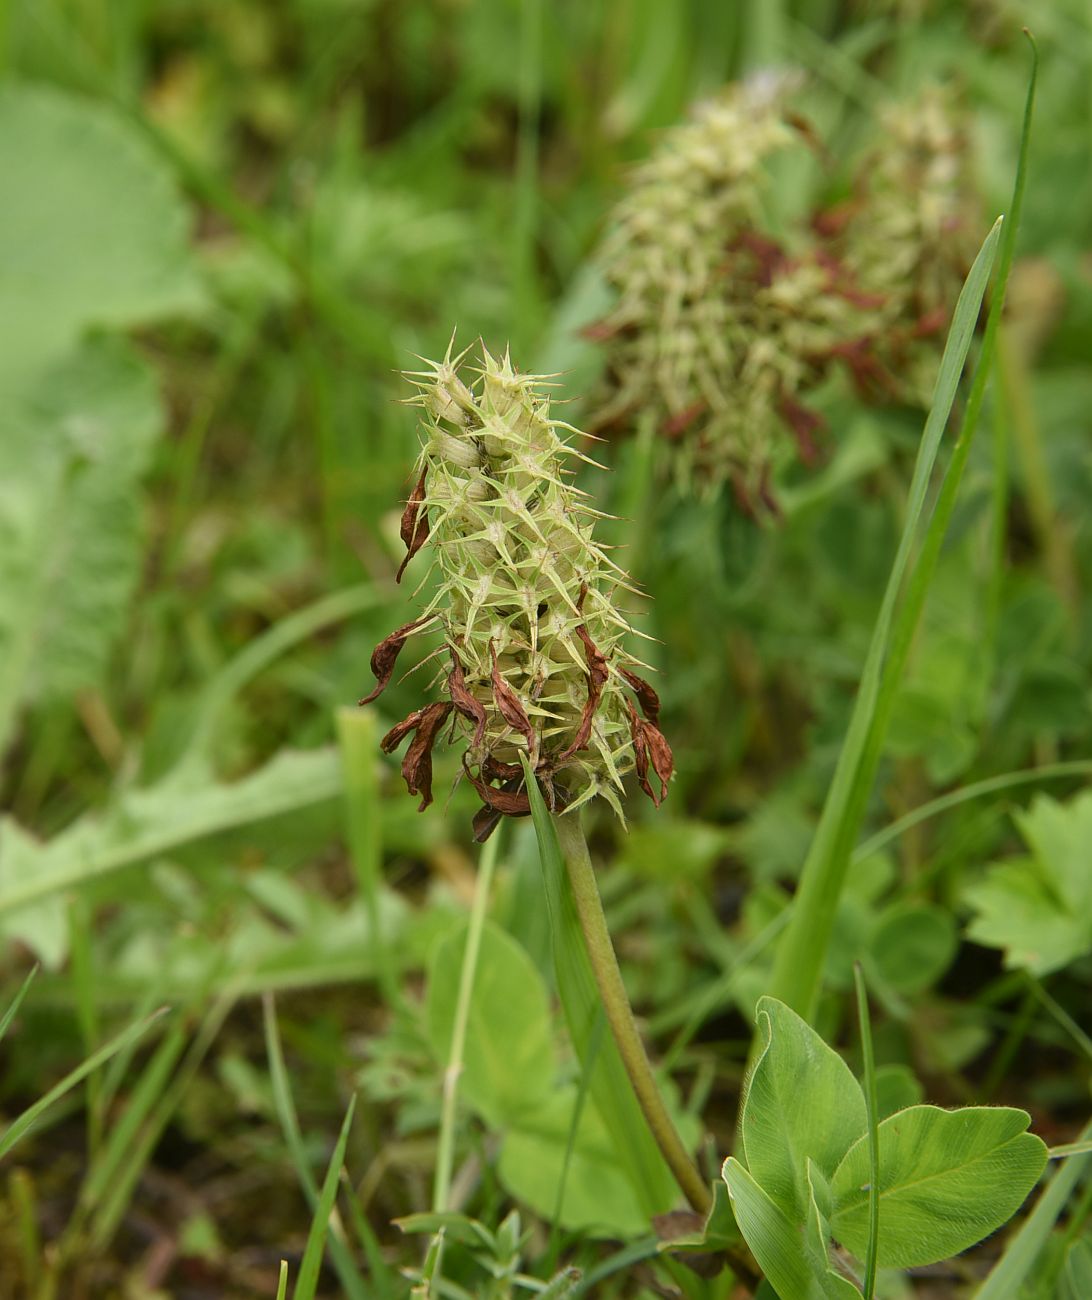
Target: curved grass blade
[(20, 1127), (802, 952), (348, 1274), (17, 1001), (307, 1282), (1024, 1249)]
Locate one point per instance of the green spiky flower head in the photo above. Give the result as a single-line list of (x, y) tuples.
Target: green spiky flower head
[(535, 662), (910, 232), (719, 329)]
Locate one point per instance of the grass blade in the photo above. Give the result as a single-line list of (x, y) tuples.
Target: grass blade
[(348, 1273), (359, 744), (19, 1128), (608, 1080), (802, 952), (17, 1001), (307, 1282), (1023, 1250)]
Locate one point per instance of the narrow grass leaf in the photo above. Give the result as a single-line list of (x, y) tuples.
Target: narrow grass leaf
[(307, 1282), (1023, 1250), (118, 1191), (348, 1274), (802, 952), (20, 1127), (359, 744), (873, 1134), (17, 1001), (609, 1083), (153, 1080)]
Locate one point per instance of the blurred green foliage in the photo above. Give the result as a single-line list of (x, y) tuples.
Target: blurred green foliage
[(225, 228)]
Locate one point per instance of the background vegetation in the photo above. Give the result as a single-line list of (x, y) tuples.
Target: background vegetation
[(225, 227)]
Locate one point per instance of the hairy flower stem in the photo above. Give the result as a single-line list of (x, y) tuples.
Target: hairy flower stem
[(619, 1013)]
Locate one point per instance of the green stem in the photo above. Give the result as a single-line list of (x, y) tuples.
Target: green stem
[(619, 1013), (873, 1133), (1051, 530)]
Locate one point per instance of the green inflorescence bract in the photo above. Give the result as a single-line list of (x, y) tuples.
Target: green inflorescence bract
[(533, 641)]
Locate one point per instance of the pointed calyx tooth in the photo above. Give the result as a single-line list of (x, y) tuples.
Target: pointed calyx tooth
[(525, 602)]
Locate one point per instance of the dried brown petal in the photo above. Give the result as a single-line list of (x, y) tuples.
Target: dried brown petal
[(649, 743), (414, 528), (506, 799), (493, 769), (511, 710), (676, 425), (387, 651), (930, 323), (467, 704), (646, 696), (485, 821), (832, 222), (400, 731), (870, 377), (597, 677), (770, 259), (417, 764), (804, 423)]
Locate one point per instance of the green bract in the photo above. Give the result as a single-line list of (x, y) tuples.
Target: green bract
[(525, 602)]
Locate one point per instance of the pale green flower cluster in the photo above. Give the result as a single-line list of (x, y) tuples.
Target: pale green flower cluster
[(534, 662), (721, 332), (910, 235)]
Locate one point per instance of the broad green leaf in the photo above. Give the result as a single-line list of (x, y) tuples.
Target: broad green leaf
[(93, 230), (142, 824), (599, 1196), (509, 1066), (1039, 908), (1077, 1272), (786, 1255), (947, 1179), (802, 1103), (1060, 837), (912, 945), (73, 448), (896, 1088)]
